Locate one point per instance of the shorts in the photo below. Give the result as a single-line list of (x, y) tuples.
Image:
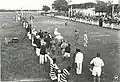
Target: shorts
[(96, 71), (66, 54)]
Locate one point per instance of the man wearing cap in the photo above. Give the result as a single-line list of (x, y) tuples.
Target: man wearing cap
[(97, 64), (78, 61)]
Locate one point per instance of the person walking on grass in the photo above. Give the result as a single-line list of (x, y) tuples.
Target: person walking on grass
[(97, 64), (85, 39), (66, 22), (78, 61), (76, 37)]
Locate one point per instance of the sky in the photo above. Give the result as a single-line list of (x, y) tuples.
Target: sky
[(35, 4)]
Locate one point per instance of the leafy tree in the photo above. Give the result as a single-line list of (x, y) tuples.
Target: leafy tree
[(45, 8), (60, 5), (101, 6), (118, 8), (84, 6)]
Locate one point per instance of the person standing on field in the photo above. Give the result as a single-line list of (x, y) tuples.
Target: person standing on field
[(78, 61), (67, 52), (97, 64), (85, 39)]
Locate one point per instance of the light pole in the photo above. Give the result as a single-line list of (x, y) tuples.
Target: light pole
[(112, 8)]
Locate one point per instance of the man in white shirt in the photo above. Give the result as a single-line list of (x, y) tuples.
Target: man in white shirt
[(59, 38), (97, 63), (78, 61), (63, 46), (56, 33), (85, 39)]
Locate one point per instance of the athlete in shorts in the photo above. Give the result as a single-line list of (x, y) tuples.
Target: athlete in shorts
[(97, 64)]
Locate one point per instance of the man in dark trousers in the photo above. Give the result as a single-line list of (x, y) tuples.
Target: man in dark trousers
[(38, 43), (101, 22), (67, 52), (40, 34), (29, 32), (42, 54)]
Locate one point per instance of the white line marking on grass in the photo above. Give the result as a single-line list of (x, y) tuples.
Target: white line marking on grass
[(101, 35), (37, 79)]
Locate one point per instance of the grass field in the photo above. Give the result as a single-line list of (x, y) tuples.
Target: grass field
[(19, 62)]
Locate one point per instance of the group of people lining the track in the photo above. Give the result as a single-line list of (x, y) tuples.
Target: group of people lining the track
[(45, 44)]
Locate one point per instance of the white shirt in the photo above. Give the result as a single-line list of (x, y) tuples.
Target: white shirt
[(79, 57), (85, 37), (43, 42), (64, 45), (56, 33), (59, 38), (97, 62)]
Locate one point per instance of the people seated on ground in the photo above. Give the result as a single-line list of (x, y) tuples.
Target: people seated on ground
[(64, 74), (56, 33), (63, 46), (67, 52)]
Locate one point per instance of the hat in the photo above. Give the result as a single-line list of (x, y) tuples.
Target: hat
[(56, 29), (78, 50)]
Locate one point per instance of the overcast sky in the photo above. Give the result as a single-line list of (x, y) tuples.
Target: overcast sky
[(35, 4)]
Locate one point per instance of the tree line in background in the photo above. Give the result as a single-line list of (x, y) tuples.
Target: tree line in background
[(100, 6)]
